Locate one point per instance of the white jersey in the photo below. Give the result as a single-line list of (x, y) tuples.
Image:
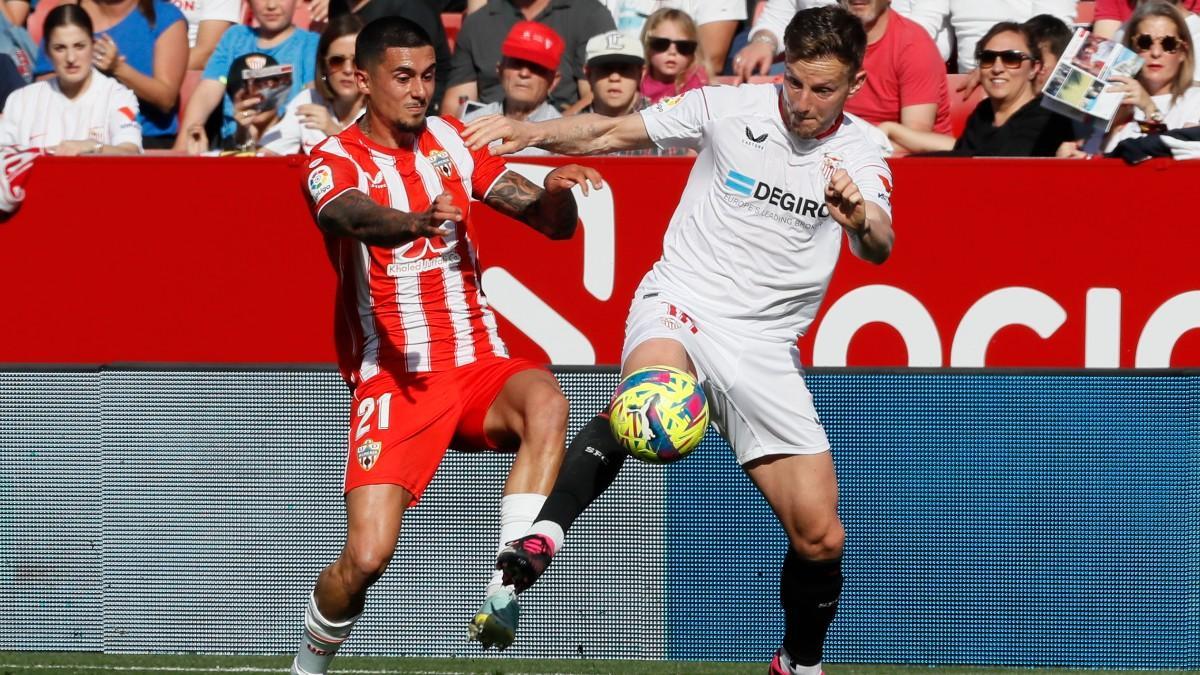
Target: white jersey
[(751, 244), (38, 115)]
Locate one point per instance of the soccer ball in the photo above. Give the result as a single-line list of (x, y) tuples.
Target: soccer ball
[(659, 414)]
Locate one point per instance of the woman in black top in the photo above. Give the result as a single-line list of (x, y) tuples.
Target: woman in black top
[(1011, 121)]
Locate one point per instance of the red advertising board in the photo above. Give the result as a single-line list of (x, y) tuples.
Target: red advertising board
[(1023, 263)]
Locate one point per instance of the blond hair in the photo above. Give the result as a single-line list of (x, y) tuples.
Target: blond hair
[(688, 24), (1153, 8)]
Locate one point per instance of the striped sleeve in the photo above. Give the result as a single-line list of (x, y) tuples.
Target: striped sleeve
[(330, 173)]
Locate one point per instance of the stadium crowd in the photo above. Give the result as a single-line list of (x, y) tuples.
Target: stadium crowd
[(944, 76)]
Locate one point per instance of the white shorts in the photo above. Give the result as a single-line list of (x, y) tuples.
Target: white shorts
[(757, 398)]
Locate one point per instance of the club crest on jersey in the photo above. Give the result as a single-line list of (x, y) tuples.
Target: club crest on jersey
[(440, 159), (320, 182), (368, 453), (830, 163)]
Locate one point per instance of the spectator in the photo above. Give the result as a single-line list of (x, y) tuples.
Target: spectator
[(528, 71), (1111, 15), (472, 72), (77, 111), (907, 81), (766, 36), (17, 45), (1163, 96), (331, 104), (1051, 36), (143, 45), (276, 37), (716, 21), (424, 13), (614, 70), (1011, 121), (673, 56), (207, 21), (965, 21)]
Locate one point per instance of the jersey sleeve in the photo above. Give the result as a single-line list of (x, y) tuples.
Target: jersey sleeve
[(329, 176), (123, 125), (873, 177), (222, 57), (678, 121)]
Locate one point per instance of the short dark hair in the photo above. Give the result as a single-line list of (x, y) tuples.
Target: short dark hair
[(1010, 27), (386, 33), (69, 14), (1051, 30), (826, 31)]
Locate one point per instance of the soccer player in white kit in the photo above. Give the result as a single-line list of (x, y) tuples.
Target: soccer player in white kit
[(782, 171)]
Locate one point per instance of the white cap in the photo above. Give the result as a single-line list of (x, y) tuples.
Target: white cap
[(614, 46)]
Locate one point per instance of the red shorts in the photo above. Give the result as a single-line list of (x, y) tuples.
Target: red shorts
[(401, 424)]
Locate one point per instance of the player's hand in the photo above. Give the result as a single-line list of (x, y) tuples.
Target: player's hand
[(568, 176), (968, 86), (1135, 94), (316, 116), (441, 210), (755, 57), (513, 134), (846, 203), (105, 55)]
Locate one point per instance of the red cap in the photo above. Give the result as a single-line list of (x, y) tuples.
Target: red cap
[(534, 42)]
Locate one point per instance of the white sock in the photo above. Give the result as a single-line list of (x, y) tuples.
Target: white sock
[(551, 530), (517, 512), (320, 642)]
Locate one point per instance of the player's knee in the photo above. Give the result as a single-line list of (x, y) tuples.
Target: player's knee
[(825, 543), (546, 412), (364, 563)]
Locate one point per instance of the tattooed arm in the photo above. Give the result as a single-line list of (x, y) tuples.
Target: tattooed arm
[(588, 134), (354, 214), (551, 211)]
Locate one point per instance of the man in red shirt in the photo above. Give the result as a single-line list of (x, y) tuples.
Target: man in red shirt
[(417, 341), (906, 77)]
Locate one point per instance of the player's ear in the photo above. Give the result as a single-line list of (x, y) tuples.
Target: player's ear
[(363, 81), (859, 79)]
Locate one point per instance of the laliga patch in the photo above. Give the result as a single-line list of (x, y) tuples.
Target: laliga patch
[(440, 159), (368, 453), (320, 182), (667, 103)]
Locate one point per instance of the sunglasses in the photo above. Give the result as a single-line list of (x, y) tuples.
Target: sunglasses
[(1011, 58), (1170, 43), (662, 44), (337, 61)]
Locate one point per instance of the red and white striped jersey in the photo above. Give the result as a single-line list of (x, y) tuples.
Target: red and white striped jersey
[(417, 307)]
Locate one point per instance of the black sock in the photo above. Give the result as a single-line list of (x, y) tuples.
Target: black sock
[(593, 459), (809, 592)]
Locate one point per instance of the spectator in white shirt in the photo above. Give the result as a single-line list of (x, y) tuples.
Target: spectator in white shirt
[(207, 21), (77, 111), (331, 104)]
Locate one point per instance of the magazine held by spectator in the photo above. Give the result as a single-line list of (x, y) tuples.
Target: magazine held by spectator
[(272, 83), (1078, 87)]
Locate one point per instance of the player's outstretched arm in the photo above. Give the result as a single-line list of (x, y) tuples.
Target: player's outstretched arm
[(354, 214), (588, 134), (550, 210), (869, 226)]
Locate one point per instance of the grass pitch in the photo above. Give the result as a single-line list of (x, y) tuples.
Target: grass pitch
[(88, 663)]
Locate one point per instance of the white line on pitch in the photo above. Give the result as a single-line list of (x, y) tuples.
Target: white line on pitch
[(231, 669)]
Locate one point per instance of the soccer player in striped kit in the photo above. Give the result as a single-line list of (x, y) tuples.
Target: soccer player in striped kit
[(782, 172), (417, 342)]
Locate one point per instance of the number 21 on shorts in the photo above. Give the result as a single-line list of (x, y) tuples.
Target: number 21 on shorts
[(367, 409)]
